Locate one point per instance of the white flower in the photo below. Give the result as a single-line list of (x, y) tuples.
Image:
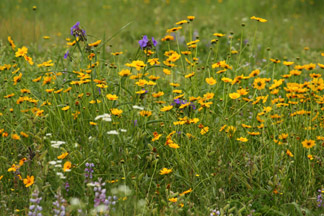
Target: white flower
[(52, 162), (91, 184), (58, 165), (56, 144), (114, 132), (75, 202), (104, 117), (61, 175), (138, 107), (48, 134), (123, 130)]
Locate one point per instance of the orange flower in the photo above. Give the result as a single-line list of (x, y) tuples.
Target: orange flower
[(67, 166), (29, 181), (62, 156)]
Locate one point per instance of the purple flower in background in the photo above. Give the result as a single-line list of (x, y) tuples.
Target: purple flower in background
[(66, 54), (143, 42), (146, 43)]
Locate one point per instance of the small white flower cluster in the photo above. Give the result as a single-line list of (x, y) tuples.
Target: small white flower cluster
[(115, 132), (104, 117)]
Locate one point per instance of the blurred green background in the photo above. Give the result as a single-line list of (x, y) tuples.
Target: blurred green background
[(291, 23)]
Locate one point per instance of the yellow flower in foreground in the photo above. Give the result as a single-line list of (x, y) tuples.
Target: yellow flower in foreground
[(111, 97), (116, 112), (29, 181), (174, 199), (21, 51), (234, 95), (308, 143), (62, 156), (210, 81), (166, 108), (1, 177), (67, 166), (204, 130), (165, 171), (242, 139), (146, 113)]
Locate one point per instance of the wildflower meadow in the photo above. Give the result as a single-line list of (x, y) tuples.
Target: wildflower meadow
[(162, 107)]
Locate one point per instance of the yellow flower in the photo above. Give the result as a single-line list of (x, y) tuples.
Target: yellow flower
[(174, 199), (116, 112), (308, 143), (204, 130), (95, 43), (234, 95), (165, 171), (66, 108), (93, 123), (242, 139), (111, 97), (288, 63), (186, 192), (62, 156), (219, 34), (191, 18), (67, 166), (17, 79), (258, 19), (146, 113), (166, 108), (29, 181), (15, 136), (21, 51), (124, 73), (259, 83), (310, 157), (210, 81), (289, 153)]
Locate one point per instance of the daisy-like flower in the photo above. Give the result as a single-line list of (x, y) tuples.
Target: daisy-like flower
[(308, 143), (67, 166), (29, 181), (145, 113), (103, 117), (113, 132), (112, 97), (234, 95), (62, 156), (242, 139), (166, 108), (56, 144), (210, 81), (165, 171), (116, 112)]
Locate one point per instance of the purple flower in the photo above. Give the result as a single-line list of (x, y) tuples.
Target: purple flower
[(76, 27), (143, 42), (78, 32), (146, 43), (154, 41), (66, 54)]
